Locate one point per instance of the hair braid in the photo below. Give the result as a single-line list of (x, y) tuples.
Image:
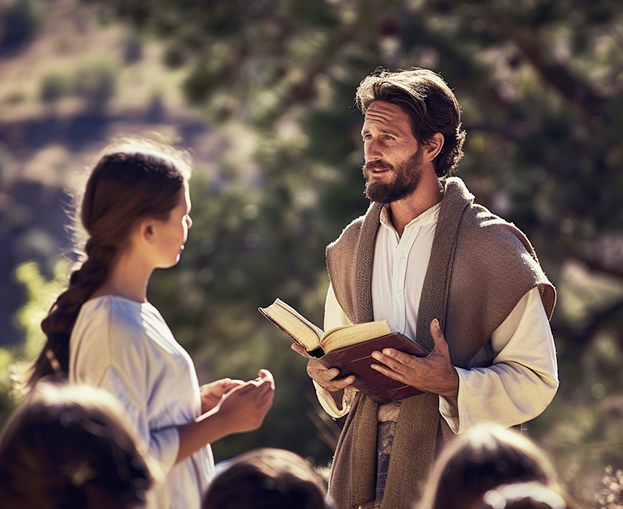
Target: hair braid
[(54, 358)]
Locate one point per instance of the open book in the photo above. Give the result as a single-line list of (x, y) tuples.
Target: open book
[(349, 349)]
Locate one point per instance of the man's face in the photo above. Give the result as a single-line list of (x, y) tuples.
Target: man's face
[(393, 159)]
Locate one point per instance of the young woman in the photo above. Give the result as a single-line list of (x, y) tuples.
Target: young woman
[(102, 330)]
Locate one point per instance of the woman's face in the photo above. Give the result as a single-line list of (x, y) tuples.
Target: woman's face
[(171, 235)]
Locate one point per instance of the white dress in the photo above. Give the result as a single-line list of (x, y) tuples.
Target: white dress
[(126, 347)]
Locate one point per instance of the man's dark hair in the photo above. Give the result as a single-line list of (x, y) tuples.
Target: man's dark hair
[(428, 101)]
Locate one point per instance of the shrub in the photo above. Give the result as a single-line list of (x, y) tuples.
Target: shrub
[(20, 21), (53, 87), (96, 83)]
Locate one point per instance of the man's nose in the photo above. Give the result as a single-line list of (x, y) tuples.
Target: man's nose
[(372, 151)]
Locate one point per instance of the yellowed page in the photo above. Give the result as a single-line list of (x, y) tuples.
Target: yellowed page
[(294, 324), (351, 334)]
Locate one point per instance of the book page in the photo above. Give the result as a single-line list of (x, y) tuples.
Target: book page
[(352, 334), (294, 324)]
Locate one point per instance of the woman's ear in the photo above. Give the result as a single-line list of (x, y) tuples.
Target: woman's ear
[(433, 147), (146, 230)]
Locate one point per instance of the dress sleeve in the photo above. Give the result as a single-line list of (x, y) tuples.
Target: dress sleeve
[(334, 316), (112, 357), (521, 380), (163, 443)]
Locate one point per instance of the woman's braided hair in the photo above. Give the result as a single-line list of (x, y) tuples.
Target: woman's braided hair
[(129, 182)]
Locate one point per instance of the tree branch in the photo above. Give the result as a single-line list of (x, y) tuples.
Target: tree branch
[(572, 88)]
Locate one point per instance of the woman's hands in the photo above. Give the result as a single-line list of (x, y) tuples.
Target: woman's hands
[(230, 406), (244, 407), (212, 393)]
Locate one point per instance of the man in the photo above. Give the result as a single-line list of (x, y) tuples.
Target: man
[(446, 272)]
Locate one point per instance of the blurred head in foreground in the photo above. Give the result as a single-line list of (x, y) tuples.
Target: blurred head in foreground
[(481, 459), (523, 495), (72, 447), (267, 479)]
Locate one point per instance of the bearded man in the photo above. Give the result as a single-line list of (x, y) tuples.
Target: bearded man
[(454, 277)]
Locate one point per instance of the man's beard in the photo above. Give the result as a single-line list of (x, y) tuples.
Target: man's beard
[(406, 179)]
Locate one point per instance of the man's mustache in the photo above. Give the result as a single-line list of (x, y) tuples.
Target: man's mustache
[(378, 165)]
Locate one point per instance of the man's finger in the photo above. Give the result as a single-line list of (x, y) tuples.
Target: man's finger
[(391, 373), (393, 363), (435, 331), (300, 350), (401, 357), (336, 385), (318, 371)]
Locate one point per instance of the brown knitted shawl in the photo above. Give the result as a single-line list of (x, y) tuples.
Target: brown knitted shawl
[(480, 267)]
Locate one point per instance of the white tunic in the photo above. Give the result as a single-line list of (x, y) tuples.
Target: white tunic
[(511, 379), (127, 348)]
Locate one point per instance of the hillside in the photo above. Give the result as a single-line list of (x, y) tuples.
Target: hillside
[(63, 94)]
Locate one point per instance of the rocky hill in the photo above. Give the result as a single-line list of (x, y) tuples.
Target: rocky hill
[(72, 84)]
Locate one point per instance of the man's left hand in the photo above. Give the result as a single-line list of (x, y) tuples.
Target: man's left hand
[(433, 373)]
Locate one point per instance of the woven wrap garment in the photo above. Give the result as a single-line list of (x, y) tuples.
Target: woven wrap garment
[(480, 267)]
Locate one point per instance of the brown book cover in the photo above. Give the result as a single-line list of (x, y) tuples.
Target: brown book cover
[(357, 360), (349, 349)]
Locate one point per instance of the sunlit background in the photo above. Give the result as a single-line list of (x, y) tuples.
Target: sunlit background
[(262, 93)]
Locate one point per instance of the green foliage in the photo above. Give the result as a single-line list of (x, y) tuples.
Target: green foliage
[(96, 83), (40, 293), (54, 86), (540, 85), (132, 50), (20, 20)]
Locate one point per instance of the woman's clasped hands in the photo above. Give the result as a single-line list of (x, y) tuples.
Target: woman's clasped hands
[(241, 405)]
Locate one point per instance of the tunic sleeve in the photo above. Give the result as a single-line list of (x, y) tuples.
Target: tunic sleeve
[(522, 377), (109, 354), (334, 316)]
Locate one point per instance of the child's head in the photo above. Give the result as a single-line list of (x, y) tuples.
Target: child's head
[(484, 457), (72, 447), (267, 479), (133, 180), (522, 495)]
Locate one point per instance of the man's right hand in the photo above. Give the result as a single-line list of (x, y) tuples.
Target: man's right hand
[(324, 377)]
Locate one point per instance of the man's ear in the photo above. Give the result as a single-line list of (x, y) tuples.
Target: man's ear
[(433, 147)]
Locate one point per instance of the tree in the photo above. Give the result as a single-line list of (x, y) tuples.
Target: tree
[(540, 83)]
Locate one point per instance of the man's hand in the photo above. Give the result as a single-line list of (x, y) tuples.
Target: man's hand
[(433, 373), (324, 377)]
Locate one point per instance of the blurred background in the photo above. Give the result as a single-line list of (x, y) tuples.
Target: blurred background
[(262, 92)]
